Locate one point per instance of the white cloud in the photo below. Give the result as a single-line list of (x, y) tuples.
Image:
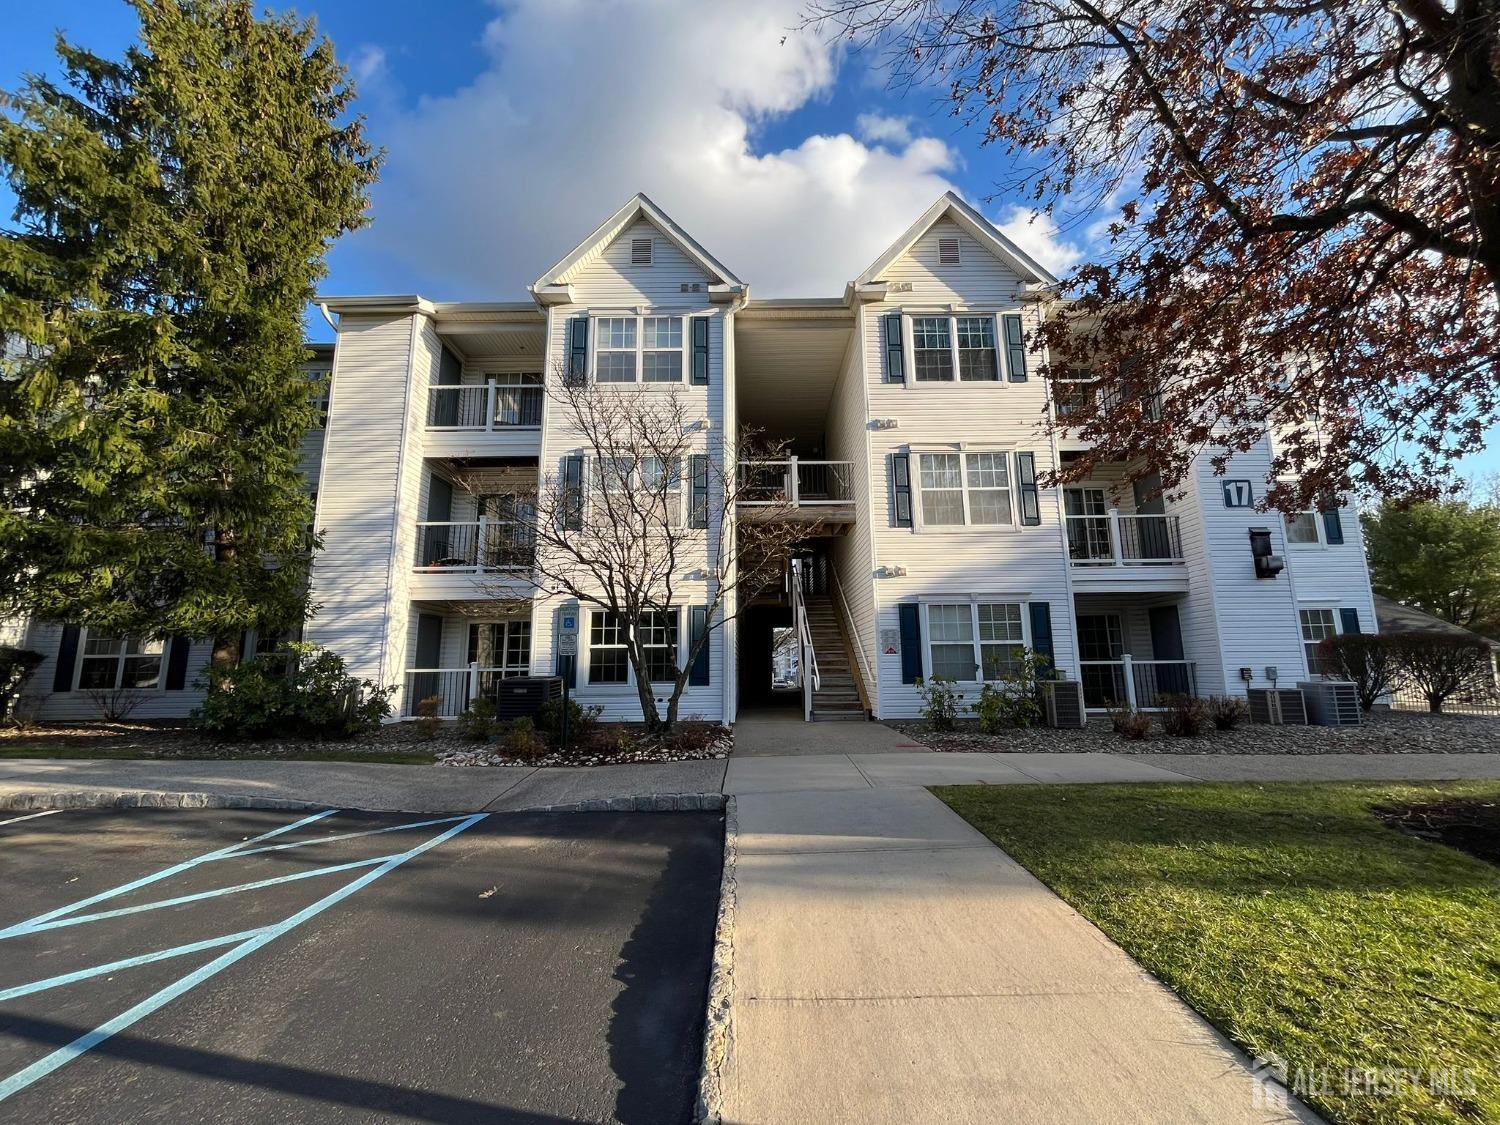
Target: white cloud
[(877, 128), (367, 65), (1039, 236), (584, 103)]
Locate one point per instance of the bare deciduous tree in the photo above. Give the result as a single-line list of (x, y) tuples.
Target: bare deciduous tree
[(641, 519), (1299, 205)]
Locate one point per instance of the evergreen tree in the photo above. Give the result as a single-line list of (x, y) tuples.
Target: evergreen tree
[(174, 212)]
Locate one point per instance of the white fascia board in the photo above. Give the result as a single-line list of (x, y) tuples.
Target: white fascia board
[(382, 303), (990, 236), (545, 295)]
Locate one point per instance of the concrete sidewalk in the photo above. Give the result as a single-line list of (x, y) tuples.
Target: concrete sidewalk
[(34, 783), (891, 965)]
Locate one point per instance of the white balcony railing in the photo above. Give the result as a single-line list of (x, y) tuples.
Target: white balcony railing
[(1116, 539), (1135, 683), (485, 407), (478, 546), (797, 482)]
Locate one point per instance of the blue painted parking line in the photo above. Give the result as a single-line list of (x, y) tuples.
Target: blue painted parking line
[(127, 963), (252, 940), (165, 873)]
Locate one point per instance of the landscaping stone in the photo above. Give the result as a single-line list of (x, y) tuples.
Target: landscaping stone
[(1384, 732)]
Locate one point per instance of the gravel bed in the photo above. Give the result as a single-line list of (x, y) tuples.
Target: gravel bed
[(472, 754), (1385, 732)]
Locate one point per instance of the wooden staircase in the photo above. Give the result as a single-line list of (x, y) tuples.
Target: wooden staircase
[(837, 697)]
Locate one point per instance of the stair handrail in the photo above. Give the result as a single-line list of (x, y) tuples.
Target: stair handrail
[(850, 631), (807, 659)]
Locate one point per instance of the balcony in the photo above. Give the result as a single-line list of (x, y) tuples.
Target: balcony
[(482, 559), (502, 418), (814, 492), (1144, 551)]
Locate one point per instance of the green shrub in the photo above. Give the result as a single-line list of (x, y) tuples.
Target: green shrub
[(1227, 711), (1130, 724), (1015, 698), (1437, 666), (1186, 716), (939, 702), (477, 724), (16, 667), (581, 721), (691, 737), (519, 739), (302, 691), (610, 740), (1367, 660)]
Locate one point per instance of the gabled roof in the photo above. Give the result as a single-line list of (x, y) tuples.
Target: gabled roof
[(985, 232), (1393, 617), (639, 206)]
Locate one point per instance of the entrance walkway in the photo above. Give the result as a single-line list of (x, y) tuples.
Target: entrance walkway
[(782, 732)]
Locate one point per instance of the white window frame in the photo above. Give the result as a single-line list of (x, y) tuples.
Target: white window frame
[(119, 658), (683, 319), (586, 654), (1338, 629), (633, 478), (952, 316), (1319, 538), (963, 453), (510, 627), (1021, 601)]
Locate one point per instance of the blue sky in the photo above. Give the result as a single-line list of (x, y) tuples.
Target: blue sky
[(513, 127)]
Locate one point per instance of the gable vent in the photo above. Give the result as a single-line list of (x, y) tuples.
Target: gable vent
[(948, 251), (640, 251)]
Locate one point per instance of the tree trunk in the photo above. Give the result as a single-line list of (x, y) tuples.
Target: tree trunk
[(226, 656), (1435, 704), (643, 690)]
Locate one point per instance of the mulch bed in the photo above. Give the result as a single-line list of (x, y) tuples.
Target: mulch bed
[(1384, 732), (180, 741), (1468, 823)]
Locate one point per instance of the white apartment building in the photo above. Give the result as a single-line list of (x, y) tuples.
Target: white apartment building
[(913, 413)]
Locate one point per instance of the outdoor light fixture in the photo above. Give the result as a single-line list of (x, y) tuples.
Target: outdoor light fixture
[(885, 423), (892, 572), (1247, 674), (1267, 564)]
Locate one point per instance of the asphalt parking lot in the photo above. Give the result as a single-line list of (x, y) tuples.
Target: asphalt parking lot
[(226, 966)]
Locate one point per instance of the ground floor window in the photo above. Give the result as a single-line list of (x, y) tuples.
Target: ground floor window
[(968, 641), (1317, 626), (120, 662), (608, 659), (503, 646)]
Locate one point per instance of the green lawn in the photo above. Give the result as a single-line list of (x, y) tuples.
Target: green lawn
[(45, 748), (1292, 918)]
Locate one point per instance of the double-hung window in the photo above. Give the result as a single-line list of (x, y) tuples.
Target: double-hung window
[(1302, 527), (615, 350), (120, 662), (609, 662), (649, 479), (1317, 626), (949, 347), (647, 348), (974, 640), (961, 489)]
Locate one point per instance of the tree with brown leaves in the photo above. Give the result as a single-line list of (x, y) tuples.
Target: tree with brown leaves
[(1304, 230)]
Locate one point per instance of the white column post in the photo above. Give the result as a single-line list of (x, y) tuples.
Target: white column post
[(481, 541), (491, 392), (1128, 669), (792, 486), (473, 681), (1114, 537)]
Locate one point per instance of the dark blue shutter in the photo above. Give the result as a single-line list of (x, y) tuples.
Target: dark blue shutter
[(895, 351), (177, 661), (1041, 630), (1333, 526), (1349, 620), (1015, 347), (911, 641), (578, 350), (901, 488), (572, 498), (698, 627), (67, 659), (698, 508), (700, 351), (1031, 505)]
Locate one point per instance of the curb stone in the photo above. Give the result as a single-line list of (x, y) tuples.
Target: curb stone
[(716, 1024), (642, 802), (146, 799)]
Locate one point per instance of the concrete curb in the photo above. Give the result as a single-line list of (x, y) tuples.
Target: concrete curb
[(716, 1025), (146, 799), (643, 802)]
